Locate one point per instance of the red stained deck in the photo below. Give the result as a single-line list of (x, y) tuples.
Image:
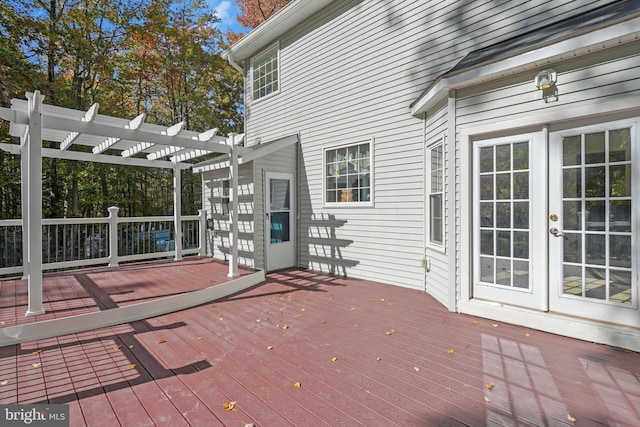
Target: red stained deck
[(400, 359)]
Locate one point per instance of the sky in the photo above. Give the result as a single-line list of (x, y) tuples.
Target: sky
[(227, 11)]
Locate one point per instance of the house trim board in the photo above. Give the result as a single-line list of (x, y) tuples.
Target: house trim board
[(85, 322)]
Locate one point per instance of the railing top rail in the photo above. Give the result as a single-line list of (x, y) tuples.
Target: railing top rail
[(10, 222), (66, 221)]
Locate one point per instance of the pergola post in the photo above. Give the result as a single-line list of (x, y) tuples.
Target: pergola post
[(24, 197), (233, 207), (202, 228), (177, 212), (33, 148)]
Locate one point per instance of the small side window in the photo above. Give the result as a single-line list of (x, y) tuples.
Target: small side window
[(435, 194), (348, 174)]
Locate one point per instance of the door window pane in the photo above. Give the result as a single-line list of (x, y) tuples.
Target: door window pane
[(572, 150), (572, 183), (594, 148), (620, 145), (486, 159), (620, 180), (620, 286), (594, 178), (572, 211), (595, 283), (279, 227), (279, 194), (521, 215), (503, 215), (503, 157)]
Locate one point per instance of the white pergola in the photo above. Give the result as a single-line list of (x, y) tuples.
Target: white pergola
[(34, 122)]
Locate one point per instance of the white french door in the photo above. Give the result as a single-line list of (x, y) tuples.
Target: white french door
[(279, 223), (509, 220), (593, 223)]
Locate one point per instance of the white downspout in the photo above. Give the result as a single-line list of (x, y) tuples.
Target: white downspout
[(233, 63)]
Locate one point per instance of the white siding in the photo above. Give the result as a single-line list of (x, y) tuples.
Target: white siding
[(350, 74), (437, 277), (218, 213)]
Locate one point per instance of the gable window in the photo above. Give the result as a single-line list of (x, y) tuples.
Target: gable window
[(348, 174), (265, 77), (435, 187)]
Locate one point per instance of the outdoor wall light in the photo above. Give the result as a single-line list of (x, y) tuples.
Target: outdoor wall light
[(546, 79)]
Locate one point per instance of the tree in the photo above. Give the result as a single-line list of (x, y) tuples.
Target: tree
[(254, 13)]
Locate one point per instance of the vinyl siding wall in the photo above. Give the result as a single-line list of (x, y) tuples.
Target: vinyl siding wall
[(350, 74), (218, 213)]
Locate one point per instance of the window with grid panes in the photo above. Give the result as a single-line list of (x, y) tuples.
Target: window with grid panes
[(265, 73), (348, 174)]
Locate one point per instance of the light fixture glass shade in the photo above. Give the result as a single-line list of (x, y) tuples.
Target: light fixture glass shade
[(545, 79)]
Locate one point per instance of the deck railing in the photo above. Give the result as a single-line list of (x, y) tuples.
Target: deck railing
[(78, 242)]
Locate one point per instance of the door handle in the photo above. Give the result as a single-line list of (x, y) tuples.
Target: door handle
[(556, 232)]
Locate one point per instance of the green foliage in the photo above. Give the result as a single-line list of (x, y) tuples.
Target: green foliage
[(159, 57)]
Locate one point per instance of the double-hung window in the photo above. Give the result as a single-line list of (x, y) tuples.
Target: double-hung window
[(435, 192), (348, 174), (265, 77)]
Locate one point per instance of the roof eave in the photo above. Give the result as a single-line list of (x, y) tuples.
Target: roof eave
[(604, 38), (284, 20)]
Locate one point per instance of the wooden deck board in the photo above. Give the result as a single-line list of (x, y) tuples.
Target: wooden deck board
[(392, 367)]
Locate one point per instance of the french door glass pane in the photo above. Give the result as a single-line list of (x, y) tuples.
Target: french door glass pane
[(503, 212), (597, 216)]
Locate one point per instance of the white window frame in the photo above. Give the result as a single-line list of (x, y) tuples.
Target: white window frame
[(325, 177), (429, 185), (255, 59)]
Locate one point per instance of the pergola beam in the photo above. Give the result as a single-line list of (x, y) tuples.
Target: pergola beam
[(216, 144), (110, 141), (97, 158), (89, 116)]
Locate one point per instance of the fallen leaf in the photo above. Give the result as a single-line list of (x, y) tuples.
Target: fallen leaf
[(229, 405), (393, 331), (389, 304), (388, 333), (35, 365), (323, 322), (118, 347), (450, 351), (270, 348), (38, 351), (161, 341), (353, 309), (5, 382), (415, 368), (527, 334), (285, 327), (250, 425), (382, 299), (495, 325), (131, 346), (270, 302), (378, 359), (475, 322), (132, 366), (570, 418), (302, 309), (487, 399), (298, 385), (489, 385), (2, 323), (199, 338), (334, 359)]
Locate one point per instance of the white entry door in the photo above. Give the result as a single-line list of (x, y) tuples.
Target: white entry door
[(509, 220), (593, 223), (279, 221)]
